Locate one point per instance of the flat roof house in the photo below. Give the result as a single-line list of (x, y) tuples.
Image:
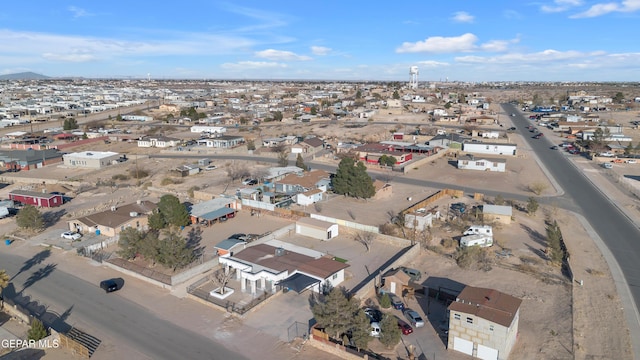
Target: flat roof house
[(265, 267), (90, 159), (483, 323)]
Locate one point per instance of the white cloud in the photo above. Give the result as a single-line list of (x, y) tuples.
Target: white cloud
[(560, 6), (432, 64), (78, 12), (463, 43), (279, 55), (462, 17), (74, 48), (246, 65), (439, 44), (320, 50), (544, 56), (606, 8)]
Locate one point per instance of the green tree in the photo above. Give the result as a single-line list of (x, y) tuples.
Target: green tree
[(618, 98), (352, 180), (251, 145), (277, 115), (498, 200), (389, 332), (174, 251), (70, 124), (396, 95), (243, 120), (532, 205), (4, 280), (149, 247), (119, 117), (336, 312), (130, 241), (37, 330), (156, 220), (358, 94), (386, 160), (173, 211), (360, 330), (300, 162), (29, 217), (314, 110), (554, 242)]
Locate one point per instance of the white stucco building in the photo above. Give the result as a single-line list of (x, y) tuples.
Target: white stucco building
[(90, 159)]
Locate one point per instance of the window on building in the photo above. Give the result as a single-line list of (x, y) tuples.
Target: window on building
[(469, 320), (335, 276), (480, 163), (490, 327), (456, 316)]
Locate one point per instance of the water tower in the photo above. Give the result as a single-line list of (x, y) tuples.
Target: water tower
[(413, 80)]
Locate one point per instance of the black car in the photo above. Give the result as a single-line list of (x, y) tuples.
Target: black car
[(374, 315), (459, 207), (112, 285)]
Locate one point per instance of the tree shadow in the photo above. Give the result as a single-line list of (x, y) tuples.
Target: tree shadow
[(35, 260), (52, 217), (194, 239), (538, 252), (535, 235), (40, 274), (58, 322)]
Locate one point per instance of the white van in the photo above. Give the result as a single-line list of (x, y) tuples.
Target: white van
[(607, 165), (375, 329)]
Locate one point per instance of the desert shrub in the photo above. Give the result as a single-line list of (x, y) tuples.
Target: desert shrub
[(122, 177), (170, 181), (192, 190), (473, 257), (385, 301), (449, 243), (138, 173)]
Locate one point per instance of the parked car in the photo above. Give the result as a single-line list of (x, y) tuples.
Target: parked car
[(414, 274), (111, 285), (375, 329), (237, 236), (607, 165), (71, 235), (414, 318), (554, 147), (404, 327), (631, 161), (210, 167), (538, 135), (513, 128), (374, 315), (607, 154), (249, 182), (396, 302)]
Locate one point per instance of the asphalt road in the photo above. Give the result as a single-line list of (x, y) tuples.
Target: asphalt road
[(124, 321), (618, 232)]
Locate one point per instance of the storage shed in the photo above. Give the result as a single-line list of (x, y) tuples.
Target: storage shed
[(317, 229)]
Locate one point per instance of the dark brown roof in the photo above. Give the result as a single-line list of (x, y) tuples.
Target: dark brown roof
[(119, 216), (488, 304), (314, 142), (265, 255)]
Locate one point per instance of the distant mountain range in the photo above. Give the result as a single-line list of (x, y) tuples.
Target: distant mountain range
[(24, 76)]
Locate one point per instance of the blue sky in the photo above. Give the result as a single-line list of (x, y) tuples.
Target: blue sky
[(546, 40)]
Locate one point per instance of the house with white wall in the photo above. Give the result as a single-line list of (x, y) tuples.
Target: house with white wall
[(482, 163), (490, 148)]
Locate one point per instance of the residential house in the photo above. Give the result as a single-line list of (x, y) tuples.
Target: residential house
[(490, 148), (472, 162), (111, 222), (420, 219), (158, 141), (452, 141), (295, 184), (229, 246), (267, 266), (309, 197), (316, 229), (186, 170), (223, 142), (371, 153), (308, 146), (483, 323), (279, 141)]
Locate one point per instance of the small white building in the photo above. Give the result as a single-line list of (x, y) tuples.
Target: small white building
[(208, 129), (157, 141), (316, 229), (421, 219), (482, 163), (309, 197), (490, 148), (90, 159)]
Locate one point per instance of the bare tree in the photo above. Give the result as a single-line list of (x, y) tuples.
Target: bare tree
[(237, 171), (222, 278), (365, 238), (537, 187)]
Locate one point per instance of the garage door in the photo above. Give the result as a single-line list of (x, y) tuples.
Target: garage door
[(487, 353), (462, 345)]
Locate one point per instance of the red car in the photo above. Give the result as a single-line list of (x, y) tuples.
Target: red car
[(404, 327), (538, 136)]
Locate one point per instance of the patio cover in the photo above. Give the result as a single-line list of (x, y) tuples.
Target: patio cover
[(216, 214), (298, 282)]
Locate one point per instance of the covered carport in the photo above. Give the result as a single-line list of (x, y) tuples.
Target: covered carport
[(216, 215), (298, 282)]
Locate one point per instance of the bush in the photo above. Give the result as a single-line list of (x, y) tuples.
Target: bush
[(37, 330), (122, 177), (138, 173), (385, 301)]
